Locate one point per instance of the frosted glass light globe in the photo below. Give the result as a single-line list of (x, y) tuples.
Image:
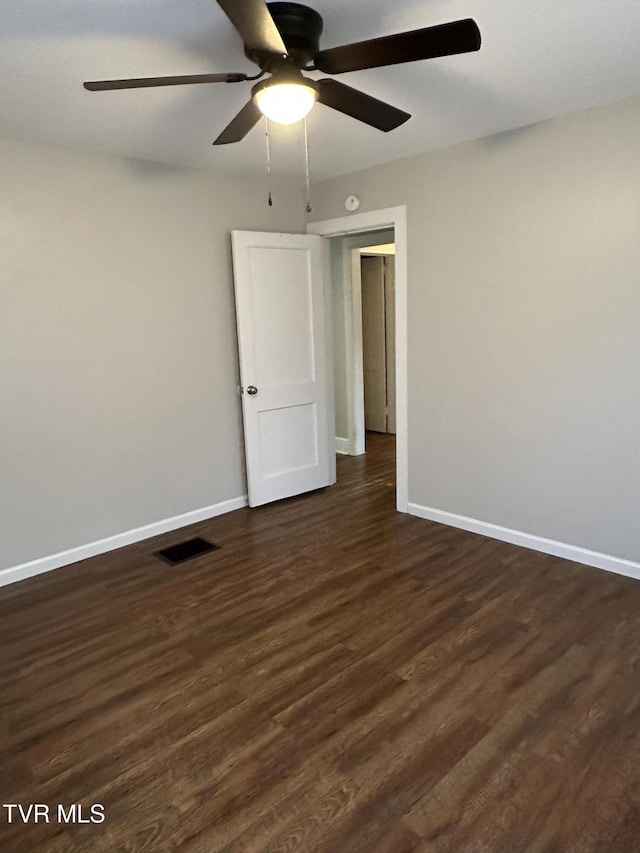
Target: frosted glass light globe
[(286, 103)]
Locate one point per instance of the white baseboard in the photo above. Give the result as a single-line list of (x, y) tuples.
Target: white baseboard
[(526, 540), (342, 446), (101, 546)]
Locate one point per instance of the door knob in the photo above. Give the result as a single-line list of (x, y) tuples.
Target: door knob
[(251, 389)]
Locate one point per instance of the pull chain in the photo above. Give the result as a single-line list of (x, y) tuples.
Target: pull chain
[(266, 136), (306, 160)]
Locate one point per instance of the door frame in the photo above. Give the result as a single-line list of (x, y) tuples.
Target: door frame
[(396, 218)]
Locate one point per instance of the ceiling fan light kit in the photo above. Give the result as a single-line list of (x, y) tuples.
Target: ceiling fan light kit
[(283, 39), (285, 98)]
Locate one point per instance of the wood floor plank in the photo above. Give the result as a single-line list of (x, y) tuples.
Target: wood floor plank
[(337, 678)]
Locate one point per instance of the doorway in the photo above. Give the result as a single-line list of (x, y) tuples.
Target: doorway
[(364, 349), (349, 236), (347, 328), (377, 290)]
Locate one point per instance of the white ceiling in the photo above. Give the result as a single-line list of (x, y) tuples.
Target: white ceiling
[(538, 60)]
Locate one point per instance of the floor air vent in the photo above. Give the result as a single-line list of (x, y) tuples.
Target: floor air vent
[(186, 551)]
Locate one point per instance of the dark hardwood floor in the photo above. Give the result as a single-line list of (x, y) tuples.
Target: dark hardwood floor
[(338, 678)]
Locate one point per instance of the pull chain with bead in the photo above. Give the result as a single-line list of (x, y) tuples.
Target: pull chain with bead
[(306, 163), (267, 137)]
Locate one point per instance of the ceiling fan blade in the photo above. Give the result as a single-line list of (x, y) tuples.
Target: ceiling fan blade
[(252, 19), (238, 127), (143, 82), (363, 107), (428, 43)]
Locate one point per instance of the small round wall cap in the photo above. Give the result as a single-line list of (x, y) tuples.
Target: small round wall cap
[(352, 203)]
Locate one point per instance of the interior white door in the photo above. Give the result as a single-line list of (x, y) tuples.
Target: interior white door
[(373, 344), (285, 369)]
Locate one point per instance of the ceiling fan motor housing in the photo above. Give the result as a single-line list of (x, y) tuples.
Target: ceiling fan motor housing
[(300, 28)]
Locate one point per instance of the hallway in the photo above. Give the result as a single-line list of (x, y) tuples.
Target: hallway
[(337, 678)]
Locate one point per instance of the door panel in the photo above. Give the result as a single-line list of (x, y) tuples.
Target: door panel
[(284, 350), (288, 439), (373, 344), (280, 308)]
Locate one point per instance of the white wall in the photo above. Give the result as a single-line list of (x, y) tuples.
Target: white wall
[(524, 324), (118, 366)]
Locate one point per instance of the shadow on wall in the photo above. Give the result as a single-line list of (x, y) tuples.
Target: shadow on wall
[(153, 169), (509, 137)]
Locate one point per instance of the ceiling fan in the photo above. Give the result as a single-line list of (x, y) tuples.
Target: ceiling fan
[(283, 39)]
